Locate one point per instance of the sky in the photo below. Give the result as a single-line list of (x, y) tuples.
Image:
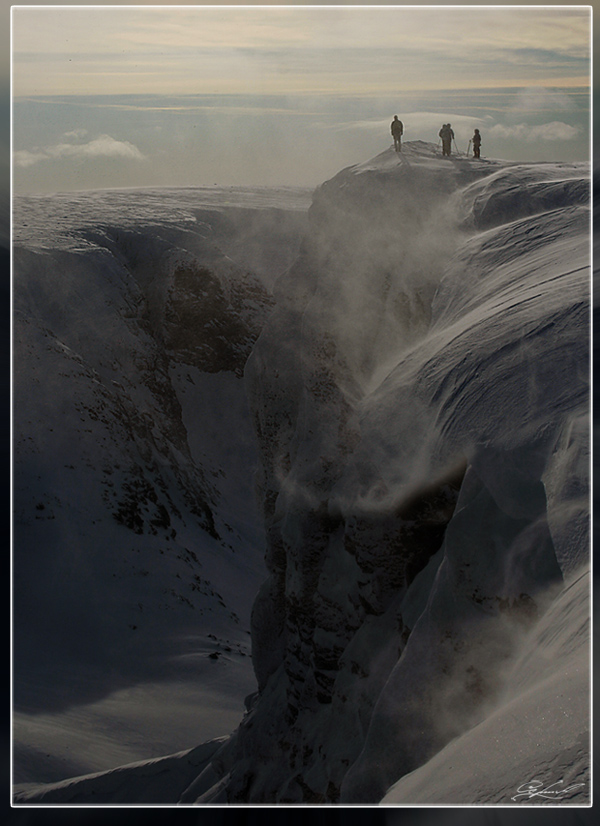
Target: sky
[(173, 96)]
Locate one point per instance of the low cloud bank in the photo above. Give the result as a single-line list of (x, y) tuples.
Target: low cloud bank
[(422, 123), (103, 146), (555, 131)]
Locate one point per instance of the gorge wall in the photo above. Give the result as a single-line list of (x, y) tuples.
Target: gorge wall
[(420, 399)]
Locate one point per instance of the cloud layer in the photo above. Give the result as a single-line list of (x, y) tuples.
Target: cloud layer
[(555, 131), (62, 50), (426, 124), (102, 142), (104, 146)]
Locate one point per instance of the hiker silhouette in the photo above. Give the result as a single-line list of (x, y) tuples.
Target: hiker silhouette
[(397, 129), (447, 136)]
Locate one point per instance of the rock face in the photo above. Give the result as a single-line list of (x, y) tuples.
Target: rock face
[(420, 399)]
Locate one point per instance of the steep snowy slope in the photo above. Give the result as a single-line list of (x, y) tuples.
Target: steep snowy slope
[(420, 397), (137, 544), (424, 466), (546, 696)]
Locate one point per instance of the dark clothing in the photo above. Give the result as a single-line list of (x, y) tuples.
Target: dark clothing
[(397, 129), (476, 145), (447, 136)]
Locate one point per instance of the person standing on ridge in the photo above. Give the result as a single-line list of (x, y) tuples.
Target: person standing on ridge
[(397, 132), (476, 144), (443, 134), (447, 135)]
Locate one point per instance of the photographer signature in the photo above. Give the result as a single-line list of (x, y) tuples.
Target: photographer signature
[(535, 788)]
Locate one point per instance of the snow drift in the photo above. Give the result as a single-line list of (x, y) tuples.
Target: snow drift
[(419, 394)]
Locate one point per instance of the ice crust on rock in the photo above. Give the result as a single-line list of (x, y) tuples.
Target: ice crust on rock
[(420, 396)]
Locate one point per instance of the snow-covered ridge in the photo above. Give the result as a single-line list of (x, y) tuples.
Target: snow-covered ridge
[(420, 397)]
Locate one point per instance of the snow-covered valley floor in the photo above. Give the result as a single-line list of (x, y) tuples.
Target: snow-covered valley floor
[(351, 441)]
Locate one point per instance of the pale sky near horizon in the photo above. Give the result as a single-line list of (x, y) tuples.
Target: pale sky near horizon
[(217, 50), (313, 87)]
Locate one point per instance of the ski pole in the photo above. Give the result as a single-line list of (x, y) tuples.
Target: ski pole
[(456, 147), (468, 149)]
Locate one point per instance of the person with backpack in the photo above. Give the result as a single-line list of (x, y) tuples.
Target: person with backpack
[(476, 144), (446, 133), (397, 132)]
